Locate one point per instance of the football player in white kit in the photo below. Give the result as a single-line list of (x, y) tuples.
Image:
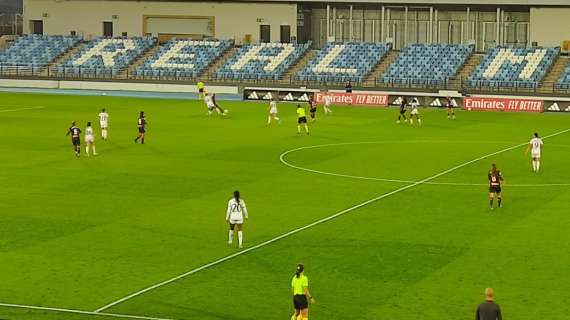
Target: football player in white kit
[(104, 122), (327, 106), (535, 145), (415, 111), (235, 216), (89, 139), (273, 112), (211, 104)]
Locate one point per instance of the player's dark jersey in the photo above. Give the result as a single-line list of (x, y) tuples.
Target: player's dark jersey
[(495, 179), (74, 132), (403, 106), (141, 122)]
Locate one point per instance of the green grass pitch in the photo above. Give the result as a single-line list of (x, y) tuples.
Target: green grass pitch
[(82, 233)]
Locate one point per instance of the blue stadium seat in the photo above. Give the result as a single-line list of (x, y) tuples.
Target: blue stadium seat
[(266, 61), (427, 64), (341, 62), (513, 67), (36, 50)]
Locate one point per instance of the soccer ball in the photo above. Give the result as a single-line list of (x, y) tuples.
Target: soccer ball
[(226, 111)]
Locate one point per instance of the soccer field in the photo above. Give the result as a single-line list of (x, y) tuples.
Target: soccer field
[(411, 235)]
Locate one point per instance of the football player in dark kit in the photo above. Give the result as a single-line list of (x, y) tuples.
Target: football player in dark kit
[(312, 108), (75, 139), (403, 110), (495, 178), (141, 125)]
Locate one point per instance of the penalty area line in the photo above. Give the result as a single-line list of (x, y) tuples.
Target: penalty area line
[(83, 312), (315, 223)]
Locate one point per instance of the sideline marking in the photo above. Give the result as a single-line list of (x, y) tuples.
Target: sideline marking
[(100, 314), (310, 225)]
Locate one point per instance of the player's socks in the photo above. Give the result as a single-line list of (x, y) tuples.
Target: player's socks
[(499, 201), (411, 121), (298, 129), (269, 120), (294, 317), (533, 165), (240, 238), (537, 165), (94, 151), (230, 236), (142, 140), (491, 202), (87, 151), (419, 121)]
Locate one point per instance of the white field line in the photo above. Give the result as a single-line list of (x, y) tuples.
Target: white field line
[(402, 181), (21, 109), (75, 311), (320, 221)]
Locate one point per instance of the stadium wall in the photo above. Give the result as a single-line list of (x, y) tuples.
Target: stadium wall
[(228, 19), (549, 26)]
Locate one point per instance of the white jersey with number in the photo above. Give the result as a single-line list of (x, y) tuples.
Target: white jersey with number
[(236, 211), (89, 137), (273, 107), (327, 100), (103, 119), (209, 102), (536, 145)]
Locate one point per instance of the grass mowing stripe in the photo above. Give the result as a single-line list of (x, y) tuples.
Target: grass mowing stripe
[(22, 109), (342, 175), (320, 221), (99, 314)]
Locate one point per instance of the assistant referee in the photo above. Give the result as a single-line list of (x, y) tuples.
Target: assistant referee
[(300, 287)]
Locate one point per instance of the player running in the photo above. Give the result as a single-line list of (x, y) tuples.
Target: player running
[(300, 288), (450, 111), (415, 111), (89, 139), (141, 125), (327, 106), (312, 108), (104, 123), (495, 178), (210, 101), (273, 112), (536, 145), (235, 216), (75, 132), (402, 110), (301, 119)]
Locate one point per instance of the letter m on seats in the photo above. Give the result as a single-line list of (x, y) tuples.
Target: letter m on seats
[(532, 59)]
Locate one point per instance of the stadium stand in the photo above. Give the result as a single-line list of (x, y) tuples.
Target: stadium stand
[(36, 50), (564, 81), (106, 56), (261, 61), (509, 67), (427, 64), (183, 58), (341, 62)]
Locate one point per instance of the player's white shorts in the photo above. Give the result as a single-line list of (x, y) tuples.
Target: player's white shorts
[(536, 154), (236, 221), (103, 124), (89, 139), (273, 111), (211, 106), (414, 112)]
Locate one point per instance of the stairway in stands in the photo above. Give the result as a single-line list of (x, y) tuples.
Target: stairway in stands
[(68, 54), (138, 61), (380, 68), (548, 82), (465, 71), (287, 76), (209, 71)]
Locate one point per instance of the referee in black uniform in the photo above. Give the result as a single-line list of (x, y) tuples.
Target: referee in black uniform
[(488, 310)]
